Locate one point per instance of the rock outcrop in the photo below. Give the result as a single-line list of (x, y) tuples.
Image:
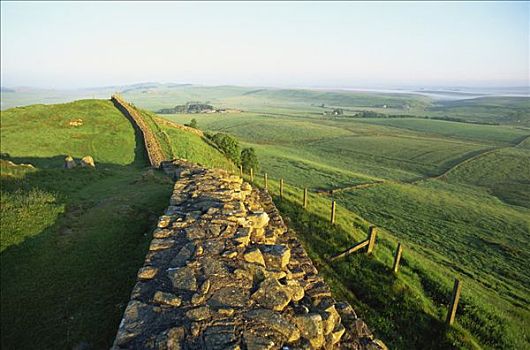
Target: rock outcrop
[(87, 162), (69, 162), (224, 272)]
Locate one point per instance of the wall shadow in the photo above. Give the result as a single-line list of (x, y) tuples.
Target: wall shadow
[(68, 283)]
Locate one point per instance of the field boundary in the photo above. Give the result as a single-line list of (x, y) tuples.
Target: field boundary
[(152, 146)]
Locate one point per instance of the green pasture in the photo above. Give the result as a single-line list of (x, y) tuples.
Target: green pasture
[(73, 239)]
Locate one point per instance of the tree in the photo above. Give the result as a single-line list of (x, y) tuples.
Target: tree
[(228, 145), (249, 159), (193, 124)]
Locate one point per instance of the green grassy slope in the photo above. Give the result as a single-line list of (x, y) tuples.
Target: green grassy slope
[(407, 310), (504, 173), (504, 110), (73, 240), (460, 226), (44, 131)]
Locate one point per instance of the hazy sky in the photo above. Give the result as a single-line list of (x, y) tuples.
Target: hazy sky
[(314, 44)]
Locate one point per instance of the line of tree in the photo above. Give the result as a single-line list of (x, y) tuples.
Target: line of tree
[(188, 108), (229, 145)]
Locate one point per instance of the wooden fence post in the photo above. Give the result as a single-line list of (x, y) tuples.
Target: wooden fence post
[(305, 198), (281, 188), (457, 288), (332, 212), (266, 181), (371, 239), (251, 175), (241, 171), (397, 258)]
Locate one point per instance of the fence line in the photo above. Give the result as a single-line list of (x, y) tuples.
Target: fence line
[(370, 243)]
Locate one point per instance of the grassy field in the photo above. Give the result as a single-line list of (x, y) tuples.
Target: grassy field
[(417, 296), (44, 131), (73, 240), (472, 223)]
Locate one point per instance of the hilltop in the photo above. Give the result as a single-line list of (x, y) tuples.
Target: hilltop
[(73, 239)]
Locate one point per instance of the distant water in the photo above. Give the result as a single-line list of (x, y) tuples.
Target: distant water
[(451, 93)]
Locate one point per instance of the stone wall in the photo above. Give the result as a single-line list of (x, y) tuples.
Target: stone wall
[(224, 272), (152, 146)]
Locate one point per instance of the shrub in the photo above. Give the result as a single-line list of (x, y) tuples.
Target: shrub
[(193, 124), (229, 145), (249, 159)]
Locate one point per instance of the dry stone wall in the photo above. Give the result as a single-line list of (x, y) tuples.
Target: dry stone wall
[(224, 272), (152, 146)]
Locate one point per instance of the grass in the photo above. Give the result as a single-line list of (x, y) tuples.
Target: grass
[(104, 134), (471, 224), (187, 145), (73, 240), (418, 295), (494, 134), (504, 174)]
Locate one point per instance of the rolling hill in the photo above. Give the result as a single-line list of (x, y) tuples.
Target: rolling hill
[(73, 239)]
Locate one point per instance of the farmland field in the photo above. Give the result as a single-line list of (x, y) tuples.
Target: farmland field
[(455, 193), (472, 223)]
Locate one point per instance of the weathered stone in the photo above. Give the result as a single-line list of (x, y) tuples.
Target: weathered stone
[(160, 244), (242, 236), (225, 312), (230, 254), (175, 336), (167, 299), (147, 272), (184, 254), (311, 328), (335, 335), (276, 322), (254, 255), (87, 162), (195, 329), (194, 232), (276, 256), (219, 337), (346, 312), (229, 297), (213, 267), (164, 221), (297, 291), (258, 220), (272, 295), (259, 288), (136, 315), (255, 342), (183, 278), (162, 233), (205, 287), (198, 298), (360, 329), (213, 247), (199, 313), (69, 162)]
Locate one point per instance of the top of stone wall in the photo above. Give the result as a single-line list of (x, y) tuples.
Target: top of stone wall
[(224, 272)]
